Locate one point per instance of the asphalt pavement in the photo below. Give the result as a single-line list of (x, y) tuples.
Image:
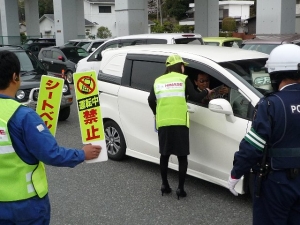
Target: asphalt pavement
[(128, 192)]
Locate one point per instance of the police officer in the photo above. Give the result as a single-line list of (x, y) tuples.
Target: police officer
[(167, 100), (25, 143), (275, 133)]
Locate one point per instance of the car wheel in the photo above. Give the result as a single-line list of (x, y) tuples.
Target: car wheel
[(69, 77), (115, 141), (64, 113)]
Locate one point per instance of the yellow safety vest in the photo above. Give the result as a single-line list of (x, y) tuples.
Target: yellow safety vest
[(171, 106), (18, 180)]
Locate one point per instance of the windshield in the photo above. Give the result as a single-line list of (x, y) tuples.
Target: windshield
[(29, 63), (264, 48), (190, 41), (253, 72), (75, 53), (83, 43)]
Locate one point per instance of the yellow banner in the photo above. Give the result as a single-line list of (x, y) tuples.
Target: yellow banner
[(89, 111), (49, 99)]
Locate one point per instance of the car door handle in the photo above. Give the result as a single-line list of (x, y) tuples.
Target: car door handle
[(191, 110)]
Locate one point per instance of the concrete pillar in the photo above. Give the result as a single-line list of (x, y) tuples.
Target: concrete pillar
[(69, 20), (32, 18), (10, 30), (275, 16), (131, 17), (207, 17)]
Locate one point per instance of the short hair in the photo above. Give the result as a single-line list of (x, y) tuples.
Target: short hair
[(200, 73), (9, 64), (174, 68)]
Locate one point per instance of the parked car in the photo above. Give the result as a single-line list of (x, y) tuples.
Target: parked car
[(39, 40), (266, 43), (77, 42), (35, 47), (62, 59), (93, 45), (92, 62), (223, 41), (31, 73), (126, 77)]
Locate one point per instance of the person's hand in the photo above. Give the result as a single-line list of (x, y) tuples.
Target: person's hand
[(91, 151), (224, 90), (209, 91), (231, 185)]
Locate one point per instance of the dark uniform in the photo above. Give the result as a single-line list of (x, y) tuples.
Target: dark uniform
[(276, 124)]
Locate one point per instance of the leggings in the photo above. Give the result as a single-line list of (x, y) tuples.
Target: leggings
[(183, 164)]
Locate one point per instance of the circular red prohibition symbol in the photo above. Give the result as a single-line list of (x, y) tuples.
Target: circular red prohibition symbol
[(86, 85)]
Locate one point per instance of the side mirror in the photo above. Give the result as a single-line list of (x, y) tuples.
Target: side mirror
[(220, 105)]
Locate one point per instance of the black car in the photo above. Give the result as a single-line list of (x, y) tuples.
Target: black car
[(62, 59), (31, 73), (35, 47)]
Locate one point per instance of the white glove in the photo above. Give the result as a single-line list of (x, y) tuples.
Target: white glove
[(231, 185)]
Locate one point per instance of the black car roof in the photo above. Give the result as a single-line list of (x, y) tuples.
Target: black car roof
[(61, 47)]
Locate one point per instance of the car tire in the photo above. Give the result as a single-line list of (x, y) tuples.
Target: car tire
[(64, 113), (115, 141), (69, 77)]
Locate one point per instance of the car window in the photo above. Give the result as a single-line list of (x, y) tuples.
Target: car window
[(83, 43), (55, 54), (29, 63), (212, 43), (146, 81), (128, 42), (190, 41), (96, 55), (82, 52), (264, 48), (157, 41), (47, 53), (96, 44)]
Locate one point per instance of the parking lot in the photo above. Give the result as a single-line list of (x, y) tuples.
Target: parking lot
[(128, 192)]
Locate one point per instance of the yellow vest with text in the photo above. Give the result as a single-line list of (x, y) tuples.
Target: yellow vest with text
[(171, 108), (18, 180)]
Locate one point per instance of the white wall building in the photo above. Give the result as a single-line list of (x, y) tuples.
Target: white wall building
[(101, 13)]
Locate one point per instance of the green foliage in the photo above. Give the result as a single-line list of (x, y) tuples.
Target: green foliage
[(23, 37), (225, 34), (253, 9), (45, 7), (103, 32), (176, 8), (169, 27), (228, 24)]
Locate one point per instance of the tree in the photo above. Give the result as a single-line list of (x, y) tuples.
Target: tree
[(45, 7), (229, 24), (176, 8), (103, 32)]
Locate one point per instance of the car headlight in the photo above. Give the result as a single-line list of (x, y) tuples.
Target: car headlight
[(20, 94), (35, 95), (65, 88)]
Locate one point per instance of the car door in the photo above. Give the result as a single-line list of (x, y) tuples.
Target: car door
[(214, 137), (137, 119)]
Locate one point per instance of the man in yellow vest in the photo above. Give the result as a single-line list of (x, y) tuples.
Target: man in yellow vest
[(25, 144), (167, 101)]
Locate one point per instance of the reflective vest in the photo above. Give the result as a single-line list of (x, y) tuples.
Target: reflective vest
[(18, 180), (171, 108)]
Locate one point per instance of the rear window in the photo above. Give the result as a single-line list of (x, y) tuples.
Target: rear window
[(264, 48), (190, 41)]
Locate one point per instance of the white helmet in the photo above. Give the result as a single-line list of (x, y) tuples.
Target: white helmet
[(285, 57)]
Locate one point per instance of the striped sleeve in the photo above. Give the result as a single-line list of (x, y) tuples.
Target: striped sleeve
[(255, 140)]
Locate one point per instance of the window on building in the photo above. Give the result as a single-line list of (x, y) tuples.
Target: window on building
[(104, 9)]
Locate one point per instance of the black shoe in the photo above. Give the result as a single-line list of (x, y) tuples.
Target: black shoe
[(165, 189), (180, 193)]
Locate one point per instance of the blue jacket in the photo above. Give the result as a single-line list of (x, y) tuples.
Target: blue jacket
[(33, 145), (275, 122)]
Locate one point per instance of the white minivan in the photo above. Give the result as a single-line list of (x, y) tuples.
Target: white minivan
[(92, 62), (126, 77)]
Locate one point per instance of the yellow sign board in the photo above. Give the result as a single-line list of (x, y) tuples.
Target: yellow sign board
[(89, 111), (49, 99)]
